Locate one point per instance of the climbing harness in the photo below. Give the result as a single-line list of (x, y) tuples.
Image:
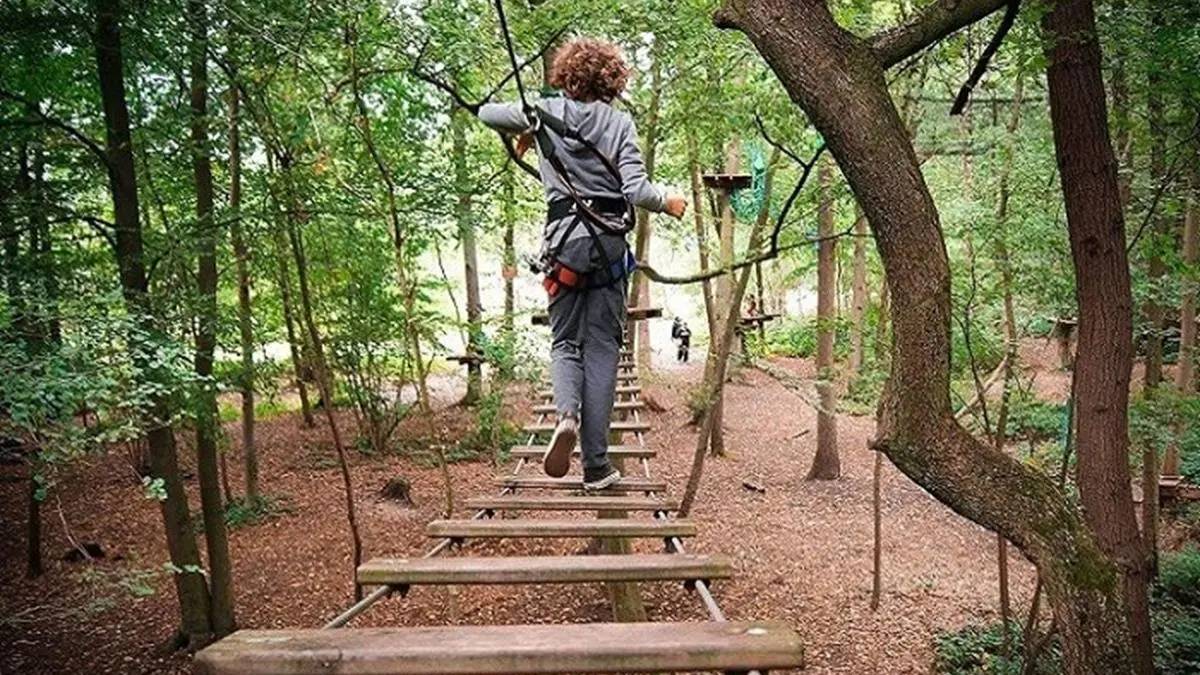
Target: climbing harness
[(590, 212)]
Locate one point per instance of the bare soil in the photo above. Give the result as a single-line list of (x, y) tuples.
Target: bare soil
[(802, 550)]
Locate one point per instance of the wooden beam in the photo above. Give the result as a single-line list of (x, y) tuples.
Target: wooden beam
[(511, 650), (564, 528), (550, 502), (626, 484), (571, 569), (537, 451)]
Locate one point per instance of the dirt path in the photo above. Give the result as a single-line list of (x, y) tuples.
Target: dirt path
[(802, 550)]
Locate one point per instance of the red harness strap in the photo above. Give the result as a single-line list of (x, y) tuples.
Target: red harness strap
[(560, 277)]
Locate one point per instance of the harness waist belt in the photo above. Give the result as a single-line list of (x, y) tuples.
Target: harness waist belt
[(607, 206)]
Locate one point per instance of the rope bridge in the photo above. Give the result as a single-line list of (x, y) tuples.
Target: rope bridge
[(717, 645)]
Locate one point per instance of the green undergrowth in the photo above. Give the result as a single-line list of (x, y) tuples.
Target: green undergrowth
[(242, 512), (1175, 619)]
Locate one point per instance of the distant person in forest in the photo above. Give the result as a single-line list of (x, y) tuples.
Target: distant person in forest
[(752, 310), (593, 174), (684, 335), (675, 328)]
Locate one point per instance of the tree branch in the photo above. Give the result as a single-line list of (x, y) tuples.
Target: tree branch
[(964, 94), (56, 123), (938, 20)]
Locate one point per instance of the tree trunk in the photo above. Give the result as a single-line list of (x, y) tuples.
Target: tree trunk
[(211, 504), (508, 207), (726, 307), (1156, 233), (466, 233), (190, 585), (324, 381), (826, 465), (1105, 350), (1121, 108), (641, 284), (839, 81), (242, 258), (706, 286), (858, 292), (714, 367), (296, 345), (1185, 377)]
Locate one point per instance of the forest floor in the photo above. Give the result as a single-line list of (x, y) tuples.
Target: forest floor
[(802, 550)]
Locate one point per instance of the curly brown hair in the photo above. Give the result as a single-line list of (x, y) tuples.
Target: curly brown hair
[(589, 70)]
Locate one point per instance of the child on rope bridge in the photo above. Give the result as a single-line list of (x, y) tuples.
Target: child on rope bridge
[(592, 170)]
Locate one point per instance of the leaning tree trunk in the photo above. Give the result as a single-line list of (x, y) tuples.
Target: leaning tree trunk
[(706, 286), (190, 585), (324, 379), (211, 504), (839, 81), (295, 343), (826, 464)]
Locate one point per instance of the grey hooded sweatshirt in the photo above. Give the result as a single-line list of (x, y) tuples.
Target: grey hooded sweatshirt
[(611, 131)]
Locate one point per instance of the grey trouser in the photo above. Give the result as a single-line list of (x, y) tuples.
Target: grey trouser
[(587, 326)]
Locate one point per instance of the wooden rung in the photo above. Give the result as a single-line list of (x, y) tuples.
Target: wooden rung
[(620, 426), (538, 451), (545, 502), (626, 484), (549, 409), (511, 650), (560, 528), (627, 390), (570, 569)]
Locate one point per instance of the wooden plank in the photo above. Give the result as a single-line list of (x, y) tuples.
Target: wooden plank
[(626, 390), (560, 528), (569, 569), (620, 426), (623, 379), (551, 502), (511, 650), (549, 409), (537, 451), (626, 484)]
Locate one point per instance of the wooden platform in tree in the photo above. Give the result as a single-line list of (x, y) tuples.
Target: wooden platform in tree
[(468, 359), (508, 650), (757, 319), (560, 528), (626, 484), (621, 426), (634, 314), (552, 502), (727, 181), (1172, 488), (621, 451), (570, 569), (618, 406)]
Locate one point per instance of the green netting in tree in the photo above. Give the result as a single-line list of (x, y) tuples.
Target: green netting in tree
[(749, 202)]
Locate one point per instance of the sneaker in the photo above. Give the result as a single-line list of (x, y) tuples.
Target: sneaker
[(557, 459), (600, 477)]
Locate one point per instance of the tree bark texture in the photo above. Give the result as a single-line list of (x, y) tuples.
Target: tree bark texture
[(1104, 353), (838, 80), (1185, 378), (190, 584), (212, 505), (1156, 235)]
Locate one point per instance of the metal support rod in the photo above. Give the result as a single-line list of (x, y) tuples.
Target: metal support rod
[(359, 607)]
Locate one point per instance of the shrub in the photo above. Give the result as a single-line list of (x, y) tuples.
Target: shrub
[(1179, 575), (977, 650), (1176, 637)]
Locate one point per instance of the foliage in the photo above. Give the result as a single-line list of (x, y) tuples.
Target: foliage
[(979, 650), (798, 337), (1034, 420), (241, 513), (492, 432), (1179, 575)]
